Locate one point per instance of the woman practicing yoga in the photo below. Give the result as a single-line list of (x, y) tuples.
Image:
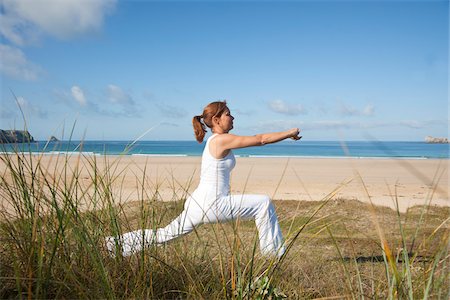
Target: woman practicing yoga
[(212, 201)]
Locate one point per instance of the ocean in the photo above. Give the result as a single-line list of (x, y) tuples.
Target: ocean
[(335, 149)]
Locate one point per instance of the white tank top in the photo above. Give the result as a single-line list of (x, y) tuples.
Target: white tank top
[(215, 173)]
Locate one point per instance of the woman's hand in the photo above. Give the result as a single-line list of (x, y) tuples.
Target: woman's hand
[(294, 134)]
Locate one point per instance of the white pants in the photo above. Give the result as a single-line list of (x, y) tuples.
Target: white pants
[(204, 207)]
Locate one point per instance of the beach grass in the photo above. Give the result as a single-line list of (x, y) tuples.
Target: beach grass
[(53, 222)]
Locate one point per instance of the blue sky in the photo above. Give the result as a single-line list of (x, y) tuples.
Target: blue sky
[(339, 70)]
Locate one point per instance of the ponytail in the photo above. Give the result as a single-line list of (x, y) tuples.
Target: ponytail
[(199, 128), (214, 109)]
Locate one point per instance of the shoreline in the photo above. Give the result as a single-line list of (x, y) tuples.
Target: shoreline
[(410, 181), (70, 153), (284, 149)]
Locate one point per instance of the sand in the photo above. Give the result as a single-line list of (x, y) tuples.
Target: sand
[(410, 181)]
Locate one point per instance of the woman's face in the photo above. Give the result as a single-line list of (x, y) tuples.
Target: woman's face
[(225, 121)]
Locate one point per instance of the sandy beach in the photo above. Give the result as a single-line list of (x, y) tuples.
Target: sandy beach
[(411, 182), (313, 179)]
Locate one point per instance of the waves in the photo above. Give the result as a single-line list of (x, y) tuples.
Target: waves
[(304, 149)]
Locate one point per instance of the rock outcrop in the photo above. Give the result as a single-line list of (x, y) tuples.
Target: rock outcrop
[(53, 139), (15, 136), (436, 140)]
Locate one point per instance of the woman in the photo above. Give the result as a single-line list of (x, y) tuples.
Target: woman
[(212, 201)]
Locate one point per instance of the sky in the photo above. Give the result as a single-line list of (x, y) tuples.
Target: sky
[(121, 70)]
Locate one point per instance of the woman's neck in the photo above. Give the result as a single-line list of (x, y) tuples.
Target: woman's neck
[(218, 131)]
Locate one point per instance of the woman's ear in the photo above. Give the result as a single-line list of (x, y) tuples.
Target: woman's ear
[(215, 120)]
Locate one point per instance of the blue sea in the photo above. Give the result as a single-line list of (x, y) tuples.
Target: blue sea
[(335, 149)]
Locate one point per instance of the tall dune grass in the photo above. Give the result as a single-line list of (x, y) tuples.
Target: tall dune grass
[(54, 219)]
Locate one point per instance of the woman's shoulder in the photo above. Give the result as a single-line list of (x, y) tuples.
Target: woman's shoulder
[(224, 137), (221, 139)]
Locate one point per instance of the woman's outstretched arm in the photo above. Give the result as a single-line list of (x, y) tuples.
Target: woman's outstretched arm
[(226, 142), (274, 137)]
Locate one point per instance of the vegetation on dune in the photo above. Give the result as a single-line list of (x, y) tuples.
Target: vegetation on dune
[(53, 223)]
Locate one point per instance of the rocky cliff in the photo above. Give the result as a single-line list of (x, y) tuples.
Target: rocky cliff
[(15, 136), (436, 140)]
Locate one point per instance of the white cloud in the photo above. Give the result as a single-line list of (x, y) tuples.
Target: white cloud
[(328, 128), (349, 111), (125, 105), (369, 110), (78, 95), (63, 19), (115, 103), (13, 63), (282, 107), (280, 125), (22, 22), (117, 95), (16, 31)]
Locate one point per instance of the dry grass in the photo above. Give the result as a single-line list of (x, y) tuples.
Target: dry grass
[(52, 248), (313, 268)]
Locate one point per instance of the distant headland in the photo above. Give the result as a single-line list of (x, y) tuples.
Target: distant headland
[(436, 140), (15, 136)]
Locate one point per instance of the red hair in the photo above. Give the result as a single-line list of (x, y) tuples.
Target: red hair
[(213, 109)]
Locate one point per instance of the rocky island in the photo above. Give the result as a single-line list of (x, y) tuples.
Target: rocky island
[(53, 139), (15, 136), (436, 140)]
